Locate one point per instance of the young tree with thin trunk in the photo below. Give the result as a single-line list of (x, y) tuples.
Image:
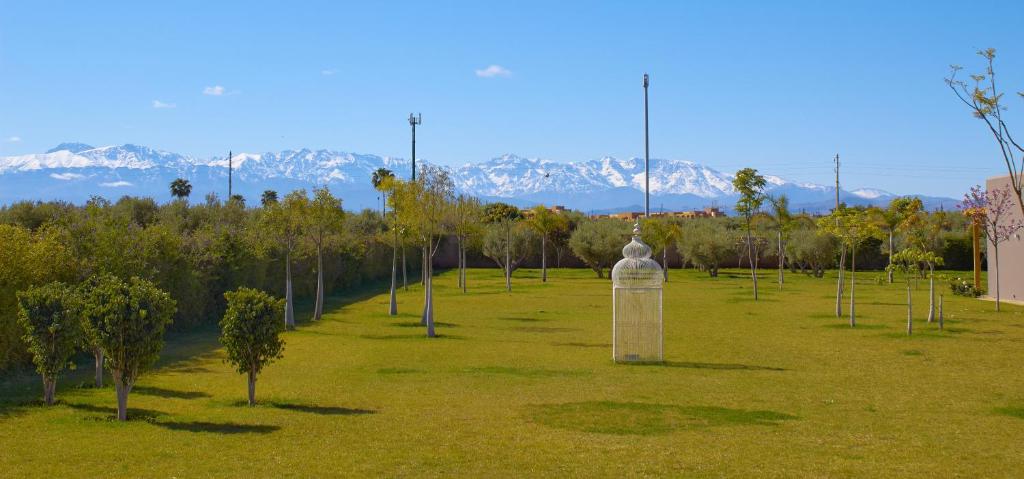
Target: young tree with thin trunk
[(984, 100), (466, 217), (991, 210), (659, 233), (750, 186), (49, 316), (508, 244), (927, 233), (852, 226), (545, 223), (251, 333), (128, 319), (783, 222), (424, 207), (283, 220), (908, 262), (507, 217), (324, 217), (899, 216)]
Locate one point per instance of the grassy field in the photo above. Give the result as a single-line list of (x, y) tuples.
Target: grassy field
[(522, 384)]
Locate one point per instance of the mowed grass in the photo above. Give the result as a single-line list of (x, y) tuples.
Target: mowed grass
[(522, 384)]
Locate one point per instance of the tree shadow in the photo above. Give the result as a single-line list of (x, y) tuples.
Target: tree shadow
[(696, 365), (218, 427), (322, 410), (110, 413), (631, 418), (1017, 412), (584, 345), (392, 337), (542, 329), (169, 393), (417, 324), (522, 320)]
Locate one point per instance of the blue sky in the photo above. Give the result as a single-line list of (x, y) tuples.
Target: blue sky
[(779, 86)]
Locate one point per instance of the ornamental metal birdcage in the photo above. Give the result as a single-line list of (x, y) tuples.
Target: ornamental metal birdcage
[(636, 305)]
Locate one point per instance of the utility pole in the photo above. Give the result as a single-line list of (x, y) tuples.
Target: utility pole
[(413, 121), (230, 170), (837, 181), (647, 156)]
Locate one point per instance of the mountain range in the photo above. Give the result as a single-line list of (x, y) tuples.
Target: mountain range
[(75, 171)]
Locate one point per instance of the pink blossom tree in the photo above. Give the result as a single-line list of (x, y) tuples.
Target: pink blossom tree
[(990, 209)]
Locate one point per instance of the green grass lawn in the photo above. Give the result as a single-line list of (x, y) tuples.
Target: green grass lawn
[(522, 384)]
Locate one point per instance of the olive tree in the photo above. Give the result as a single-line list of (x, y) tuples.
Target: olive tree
[(49, 316), (706, 243), (598, 243), (250, 333), (128, 321), (508, 244)]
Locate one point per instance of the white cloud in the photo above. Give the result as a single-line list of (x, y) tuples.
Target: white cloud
[(66, 176), (329, 72), (493, 71), (159, 104), (215, 90), (13, 139), (115, 184)]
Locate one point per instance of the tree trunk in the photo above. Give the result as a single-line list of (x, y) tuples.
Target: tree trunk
[(941, 316), (853, 286), (429, 307), (318, 308), (426, 289), (289, 308), (252, 387), (910, 317), (508, 259), (995, 246), (890, 256), (664, 261), (97, 354), (839, 283), (393, 311), (931, 292), (122, 390), (458, 253), (750, 257), (464, 286), (782, 262), (543, 258), (405, 278), (49, 388)]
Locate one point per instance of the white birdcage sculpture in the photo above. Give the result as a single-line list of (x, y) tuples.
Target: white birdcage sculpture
[(636, 304)]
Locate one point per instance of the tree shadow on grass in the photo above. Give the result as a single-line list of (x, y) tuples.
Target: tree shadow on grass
[(584, 345), (169, 393), (846, 325), (542, 329), (525, 372), (631, 418), (522, 320), (218, 427), (392, 337), (322, 410), (417, 324), (1017, 412), (109, 413), (696, 365)]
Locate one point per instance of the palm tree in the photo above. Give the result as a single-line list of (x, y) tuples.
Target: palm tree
[(181, 188), (382, 180), (269, 197)]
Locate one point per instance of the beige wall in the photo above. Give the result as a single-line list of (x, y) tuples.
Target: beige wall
[(1011, 255)]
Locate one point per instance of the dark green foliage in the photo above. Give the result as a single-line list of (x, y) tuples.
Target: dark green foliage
[(49, 317), (250, 332), (496, 212), (599, 243)]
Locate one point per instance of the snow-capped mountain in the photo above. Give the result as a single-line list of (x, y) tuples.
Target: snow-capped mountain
[(76, 171)]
